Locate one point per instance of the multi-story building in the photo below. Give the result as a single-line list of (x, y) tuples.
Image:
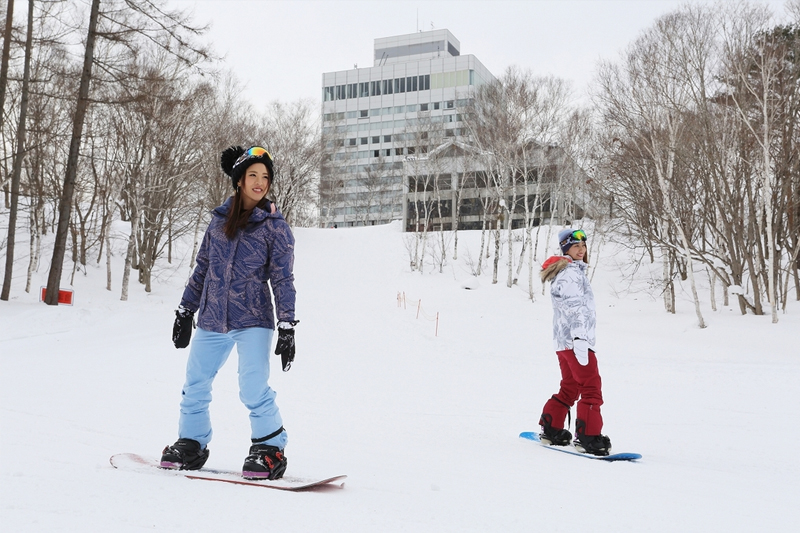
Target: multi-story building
[(377, 119), (398, 148)]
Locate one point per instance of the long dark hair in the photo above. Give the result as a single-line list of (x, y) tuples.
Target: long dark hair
[(238, 215)]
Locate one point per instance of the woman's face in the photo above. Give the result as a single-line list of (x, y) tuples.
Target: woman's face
[(577, 251), (254, 185)]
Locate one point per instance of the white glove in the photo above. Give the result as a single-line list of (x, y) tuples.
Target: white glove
[(581, 349)]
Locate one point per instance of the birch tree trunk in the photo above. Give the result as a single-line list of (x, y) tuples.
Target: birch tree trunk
[(126, 272), (712, 282), (483, 242), (496, 251), (665, 192), (35, 248), (669, 289), (108, 262)]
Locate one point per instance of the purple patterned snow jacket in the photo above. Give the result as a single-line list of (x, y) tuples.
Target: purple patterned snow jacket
[(229, 284)]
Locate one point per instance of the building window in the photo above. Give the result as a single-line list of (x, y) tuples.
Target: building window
[(450, 104), (363, 113), (363, 89), (376, 139), (425, 82), (423, 107), (411, 84), (436, 105), (376, 153), (387, 138), (375, 112), (398, 151), (351, 142), (411, 108), (387, 152), (363, 140), (374, 88), (329, 93), (388, 87)]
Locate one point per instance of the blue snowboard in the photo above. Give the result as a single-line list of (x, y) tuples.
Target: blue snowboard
[(530, 435)]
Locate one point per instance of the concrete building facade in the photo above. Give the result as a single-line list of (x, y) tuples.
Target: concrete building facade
[(377, 119)]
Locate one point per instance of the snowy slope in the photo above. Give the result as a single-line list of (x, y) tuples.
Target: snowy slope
[(424, 425)]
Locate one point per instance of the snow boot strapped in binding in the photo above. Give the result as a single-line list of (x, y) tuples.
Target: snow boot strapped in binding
[(185, 454), (551, 435), (592, 444), (264, 462)]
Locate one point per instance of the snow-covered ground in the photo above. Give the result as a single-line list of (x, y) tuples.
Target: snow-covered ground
[(426, 426)]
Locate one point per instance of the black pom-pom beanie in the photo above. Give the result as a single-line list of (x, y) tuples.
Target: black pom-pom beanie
[(235, 160)]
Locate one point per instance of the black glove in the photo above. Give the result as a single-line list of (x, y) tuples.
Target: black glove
[(182, 329), (285, 346)]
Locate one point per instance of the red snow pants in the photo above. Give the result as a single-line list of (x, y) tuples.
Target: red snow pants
[(577, 381)]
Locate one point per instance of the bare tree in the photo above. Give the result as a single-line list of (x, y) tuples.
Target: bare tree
[(648, 98), (513, 123), (20, 154), (701, 140), (6, 55), (292, 136), (65, 206), (427, 174), (123, 22), (757, 64)]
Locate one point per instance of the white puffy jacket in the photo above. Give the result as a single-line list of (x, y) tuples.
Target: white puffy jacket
[(573, 301)]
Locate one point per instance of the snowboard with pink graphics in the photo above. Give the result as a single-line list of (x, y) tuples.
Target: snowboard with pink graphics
[(137, 463)]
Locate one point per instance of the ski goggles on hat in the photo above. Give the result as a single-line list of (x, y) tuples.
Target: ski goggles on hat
[(255, 151), (574, 237)]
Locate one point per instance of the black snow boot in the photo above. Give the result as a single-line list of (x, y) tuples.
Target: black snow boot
[(591, 444), (185, 454), (551, 435), (264, 462)]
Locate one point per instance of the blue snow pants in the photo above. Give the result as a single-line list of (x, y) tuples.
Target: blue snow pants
[(208, 353)]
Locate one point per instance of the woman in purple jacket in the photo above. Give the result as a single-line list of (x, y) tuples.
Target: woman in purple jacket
[(247, 248)]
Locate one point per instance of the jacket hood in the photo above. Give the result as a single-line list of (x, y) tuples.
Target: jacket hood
[(552, 266)]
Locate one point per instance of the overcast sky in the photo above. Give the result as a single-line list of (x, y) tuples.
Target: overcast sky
[(279, 49)]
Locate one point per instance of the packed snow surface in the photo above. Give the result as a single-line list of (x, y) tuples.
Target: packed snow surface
[(423, 416)]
